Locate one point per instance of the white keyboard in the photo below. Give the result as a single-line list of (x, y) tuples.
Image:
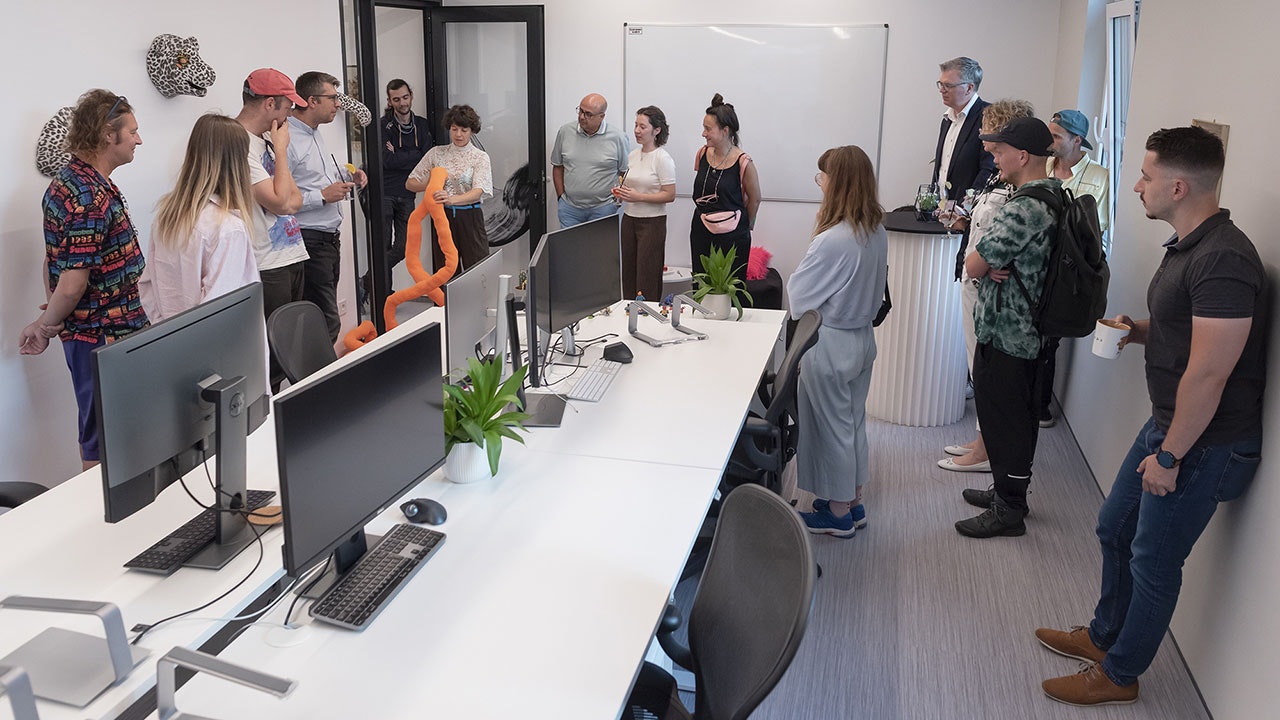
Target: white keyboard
[(595, 381)]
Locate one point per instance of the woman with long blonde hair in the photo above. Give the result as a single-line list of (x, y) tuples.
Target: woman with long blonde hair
[(842, 276), (201, 243)]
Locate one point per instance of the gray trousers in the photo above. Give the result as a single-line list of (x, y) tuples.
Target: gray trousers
[(835, 377)]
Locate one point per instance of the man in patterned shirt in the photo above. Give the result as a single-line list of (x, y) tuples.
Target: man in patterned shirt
[(1004, 363), (92, 257)]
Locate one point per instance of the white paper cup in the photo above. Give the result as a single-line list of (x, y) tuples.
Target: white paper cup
[(1106, 338)]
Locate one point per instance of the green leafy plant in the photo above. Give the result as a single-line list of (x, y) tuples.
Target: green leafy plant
[(478, 413), (717, 277)]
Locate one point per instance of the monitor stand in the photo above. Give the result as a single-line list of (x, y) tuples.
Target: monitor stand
[(545, 409), (231, 425), (345, 556)]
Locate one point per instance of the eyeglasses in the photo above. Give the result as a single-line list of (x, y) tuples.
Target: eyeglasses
[(949, 86), (589, 115), (120, 99), (331, 96)]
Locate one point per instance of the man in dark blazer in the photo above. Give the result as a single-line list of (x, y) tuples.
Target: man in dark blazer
[(960, 163)]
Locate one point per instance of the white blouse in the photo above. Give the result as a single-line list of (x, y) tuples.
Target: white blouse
[(648, 173), (468, 167), (216, 259)]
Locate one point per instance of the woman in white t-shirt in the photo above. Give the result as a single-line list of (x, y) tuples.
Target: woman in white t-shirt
[(470, 181), (201, 246), (645, 191)]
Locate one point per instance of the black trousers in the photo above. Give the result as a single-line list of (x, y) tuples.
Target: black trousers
[(280, 286), (1046, 367), (466, 223), (644, 247), (322, 272), (395, 220), (1005, 393)]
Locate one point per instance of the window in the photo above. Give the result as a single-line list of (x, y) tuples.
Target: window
[(1122, 33)]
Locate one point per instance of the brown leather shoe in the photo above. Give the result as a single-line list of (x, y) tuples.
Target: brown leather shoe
[(1090, 686), (1074, 643)]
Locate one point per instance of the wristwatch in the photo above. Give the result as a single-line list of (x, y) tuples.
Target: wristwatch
[(1167, 460)]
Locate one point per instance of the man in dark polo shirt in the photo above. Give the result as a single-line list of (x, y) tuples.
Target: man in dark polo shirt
[(1205, 359)]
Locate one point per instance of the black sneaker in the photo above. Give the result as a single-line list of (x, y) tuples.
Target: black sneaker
[(997, 521), (984, 498)]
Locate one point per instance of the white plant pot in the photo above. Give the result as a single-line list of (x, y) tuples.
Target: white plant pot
[(721, 305), (466, 463)]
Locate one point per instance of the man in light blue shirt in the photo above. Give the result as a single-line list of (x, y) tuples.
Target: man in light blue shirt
[(587, 162), (324, 185)]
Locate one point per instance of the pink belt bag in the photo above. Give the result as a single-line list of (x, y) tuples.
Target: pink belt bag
[(722, 221)]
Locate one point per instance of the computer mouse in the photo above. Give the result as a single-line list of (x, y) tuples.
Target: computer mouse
[(424, 510), (618, 352)]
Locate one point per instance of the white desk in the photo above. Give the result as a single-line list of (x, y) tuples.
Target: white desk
[(698, 392), (541, 603), (67, 551)]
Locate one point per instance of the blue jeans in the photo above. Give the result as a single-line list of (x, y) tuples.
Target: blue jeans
[(570, 215), (1145, 540)]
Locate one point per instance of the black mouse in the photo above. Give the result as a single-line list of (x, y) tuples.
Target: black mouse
[(618, 352), (423, 510)]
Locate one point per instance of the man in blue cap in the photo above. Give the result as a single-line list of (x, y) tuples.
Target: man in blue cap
[(1082, 176)]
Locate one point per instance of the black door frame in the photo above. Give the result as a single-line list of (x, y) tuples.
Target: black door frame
[(435, 59)]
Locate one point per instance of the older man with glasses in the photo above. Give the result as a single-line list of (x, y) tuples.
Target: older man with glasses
[(960, 163), (587, 162)]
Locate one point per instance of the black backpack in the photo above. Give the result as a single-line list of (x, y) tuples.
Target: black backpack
[(1075, 283)]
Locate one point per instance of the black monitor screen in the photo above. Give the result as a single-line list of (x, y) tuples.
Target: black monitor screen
[(352, 441), (155, 427), (576, 272)]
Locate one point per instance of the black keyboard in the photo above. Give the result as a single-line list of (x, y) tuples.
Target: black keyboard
[(357, 597), (180, 545)]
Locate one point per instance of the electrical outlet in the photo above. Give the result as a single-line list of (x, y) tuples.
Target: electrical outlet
[(342, 307)]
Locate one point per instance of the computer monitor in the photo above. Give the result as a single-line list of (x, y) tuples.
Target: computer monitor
[(573, 273), (172, 395), (471, 310), (349, 443)]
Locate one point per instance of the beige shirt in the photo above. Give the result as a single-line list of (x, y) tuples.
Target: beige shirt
[(1089, 178)]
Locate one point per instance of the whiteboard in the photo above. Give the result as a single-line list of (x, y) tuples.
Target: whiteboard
[(798, 90)]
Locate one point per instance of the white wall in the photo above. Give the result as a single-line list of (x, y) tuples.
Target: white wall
[(62, 48), (1191, 61), (584, 54)]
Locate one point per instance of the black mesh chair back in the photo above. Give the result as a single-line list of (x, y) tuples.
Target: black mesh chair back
[(752, 605), (299, 339), (783, 395)]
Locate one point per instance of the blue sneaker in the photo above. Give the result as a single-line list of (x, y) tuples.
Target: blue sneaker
[(859, 512), (823, 522)]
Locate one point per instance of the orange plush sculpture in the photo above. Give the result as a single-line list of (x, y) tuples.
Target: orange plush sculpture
[(424, 283)]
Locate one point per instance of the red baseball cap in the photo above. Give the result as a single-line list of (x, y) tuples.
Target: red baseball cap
[(269, 82)]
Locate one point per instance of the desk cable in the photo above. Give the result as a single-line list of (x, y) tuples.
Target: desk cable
[(262, 551)]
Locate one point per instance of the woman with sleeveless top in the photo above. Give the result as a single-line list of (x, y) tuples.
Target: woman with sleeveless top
[(726, 190)]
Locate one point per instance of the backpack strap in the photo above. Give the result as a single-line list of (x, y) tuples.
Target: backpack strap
[(1056, 202)]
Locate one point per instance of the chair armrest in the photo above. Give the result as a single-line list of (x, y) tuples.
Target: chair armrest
[(671, 621)]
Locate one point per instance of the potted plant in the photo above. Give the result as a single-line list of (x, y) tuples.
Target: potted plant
[(718, 287), (476, 419)]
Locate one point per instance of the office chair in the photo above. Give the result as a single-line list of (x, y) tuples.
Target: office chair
[(747, 619), (14, 493), (299, 339), (765, 444)]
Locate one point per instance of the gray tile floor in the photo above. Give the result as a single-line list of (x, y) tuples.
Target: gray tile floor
[(911, 620)]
